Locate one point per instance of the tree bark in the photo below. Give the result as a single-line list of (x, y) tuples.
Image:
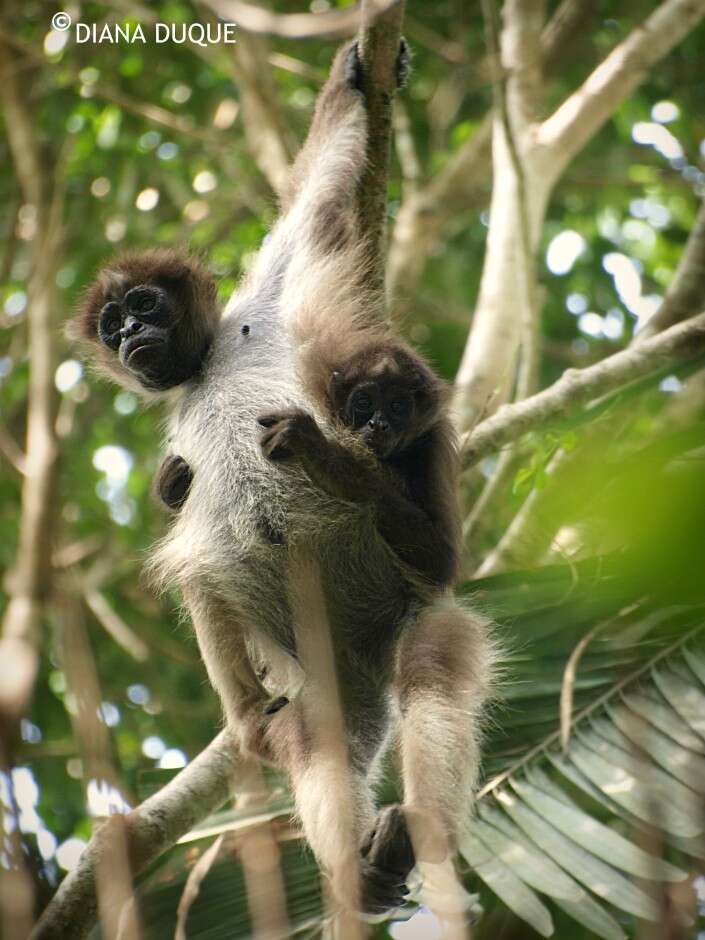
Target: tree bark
[(150, 829)]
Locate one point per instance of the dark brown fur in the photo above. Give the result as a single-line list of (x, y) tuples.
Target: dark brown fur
[(189, 285), (414, 493)]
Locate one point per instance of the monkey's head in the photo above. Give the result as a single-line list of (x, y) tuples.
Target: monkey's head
[(150, 318), (388, 395)]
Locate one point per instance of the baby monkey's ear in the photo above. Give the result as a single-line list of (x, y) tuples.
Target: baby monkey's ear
[(335, 386)]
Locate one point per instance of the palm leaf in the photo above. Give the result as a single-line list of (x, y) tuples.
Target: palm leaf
[(557, 833)]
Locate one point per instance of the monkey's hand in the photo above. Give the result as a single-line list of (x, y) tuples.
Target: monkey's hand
[(289, 433)]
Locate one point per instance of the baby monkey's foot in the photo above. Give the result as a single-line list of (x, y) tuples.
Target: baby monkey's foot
[(387, 858)]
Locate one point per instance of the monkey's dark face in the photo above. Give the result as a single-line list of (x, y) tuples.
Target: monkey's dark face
[(384, 413), (145, 328)]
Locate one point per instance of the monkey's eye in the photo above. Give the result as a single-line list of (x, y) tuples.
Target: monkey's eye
[(142, 300), (109, 324), (363, 403), (399, 407)]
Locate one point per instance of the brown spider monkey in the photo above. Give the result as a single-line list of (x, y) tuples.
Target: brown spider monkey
[(152, 322)]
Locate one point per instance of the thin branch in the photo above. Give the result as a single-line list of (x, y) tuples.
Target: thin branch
[(151, 828), (465, 179), (115, 626), (578, 387), (31, 576), (379, 44), (11, 449), (266, 137), (625, 68), (688, 289), (336, 23)]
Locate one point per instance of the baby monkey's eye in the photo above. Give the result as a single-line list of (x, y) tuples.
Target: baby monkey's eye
[(363, 403)]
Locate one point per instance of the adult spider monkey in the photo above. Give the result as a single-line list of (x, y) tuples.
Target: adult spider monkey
[(261, 541)]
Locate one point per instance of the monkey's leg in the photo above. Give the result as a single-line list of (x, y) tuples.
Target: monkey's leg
[(222, 641), (444, 675)]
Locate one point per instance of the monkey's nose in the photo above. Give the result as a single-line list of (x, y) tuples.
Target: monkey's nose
[(378, 423), (132, 326)]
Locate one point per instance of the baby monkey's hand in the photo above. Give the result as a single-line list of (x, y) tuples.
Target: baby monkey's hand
[(289, 433)]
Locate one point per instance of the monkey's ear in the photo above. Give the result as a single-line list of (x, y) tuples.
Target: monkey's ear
[(335, 388)]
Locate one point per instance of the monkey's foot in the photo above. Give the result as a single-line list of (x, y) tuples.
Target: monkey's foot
[(354, 74), (353, 67), (387, 859)]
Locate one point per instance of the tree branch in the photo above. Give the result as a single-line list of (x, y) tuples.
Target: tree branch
[(577, 387), (379, 43), (151, 828), (465, 179), (264, 130), (688, 287), (30, 579), (585, 111), (331, 24)]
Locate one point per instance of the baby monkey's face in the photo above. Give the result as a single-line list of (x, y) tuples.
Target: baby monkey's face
[(383, 412)]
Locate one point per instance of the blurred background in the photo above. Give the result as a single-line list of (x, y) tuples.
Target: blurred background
[(590, 826)]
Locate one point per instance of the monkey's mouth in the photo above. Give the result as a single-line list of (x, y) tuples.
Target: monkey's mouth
[(139, 347), (379, 442)]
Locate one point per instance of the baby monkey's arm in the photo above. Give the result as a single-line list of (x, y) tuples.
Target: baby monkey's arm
[(408, 529)]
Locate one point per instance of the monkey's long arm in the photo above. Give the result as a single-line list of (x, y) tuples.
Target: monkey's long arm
[(420, 542)]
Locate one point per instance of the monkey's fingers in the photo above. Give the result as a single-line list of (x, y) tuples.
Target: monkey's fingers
[(276, 442), (353, 67)]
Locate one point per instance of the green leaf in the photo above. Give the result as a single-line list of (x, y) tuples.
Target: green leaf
[(597, 838), (696, 661), (628, 791), (664, 718), (505, 884), (689, 768), (593, 916), (508, 843), (600, 878), (687, 699)]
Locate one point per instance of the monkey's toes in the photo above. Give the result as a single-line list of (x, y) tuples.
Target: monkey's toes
[(403, 63), (387, 858), (276, 705), (353, 67), (381, 891)]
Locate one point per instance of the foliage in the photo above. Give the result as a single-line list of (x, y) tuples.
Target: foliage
[(150, 146)]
